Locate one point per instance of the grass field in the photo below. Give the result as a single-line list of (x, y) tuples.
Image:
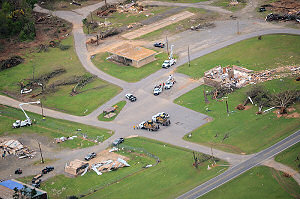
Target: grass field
[(225, 4), (123, 19), (128, 73), (201, 16), (173, 176), (270, 52), (120, 105), (258, 182), (289, 157), (248, 132), (52, 128), (91, 96)]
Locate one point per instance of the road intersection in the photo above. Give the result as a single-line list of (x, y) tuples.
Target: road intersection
[(183, 120)]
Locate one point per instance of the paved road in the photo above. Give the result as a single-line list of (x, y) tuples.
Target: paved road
[(183, 120), (242, 167)]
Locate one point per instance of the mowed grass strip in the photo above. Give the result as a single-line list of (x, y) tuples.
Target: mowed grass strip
[(93, 95), (258, 182), (52, 128), (128, 73), (120, 105), (173, 176), (271, 51), (290, 157), (248, 132)]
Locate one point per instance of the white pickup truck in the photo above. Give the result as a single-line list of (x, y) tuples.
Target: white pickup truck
[(168, 63)]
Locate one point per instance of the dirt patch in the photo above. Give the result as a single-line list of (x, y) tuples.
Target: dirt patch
[(209, 119), (285, 6), (48, 28), (158, 25), (287, 116)]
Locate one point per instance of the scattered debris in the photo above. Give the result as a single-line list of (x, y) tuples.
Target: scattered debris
[(63, 139), (14, 147), (76, 167), (11, 62), (240, 107), (203, 26)]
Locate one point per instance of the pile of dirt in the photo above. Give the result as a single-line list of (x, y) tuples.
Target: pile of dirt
[(48, 28), (11, 62)]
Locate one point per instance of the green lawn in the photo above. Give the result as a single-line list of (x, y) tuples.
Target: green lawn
[(271, 52), (289, 157), (120, 105), (92, 95), (248, 132), (225, 4), (173, 176), (258, 182), (65, 4), (183, 1), (52, 128), (123, 19), (201, 16), (128, 73)]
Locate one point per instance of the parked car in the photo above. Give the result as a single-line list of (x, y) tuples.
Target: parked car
[(90, 156), (47, 170), (118, 141), (131, 97), (168, 85), (18, 171), (159, 45)]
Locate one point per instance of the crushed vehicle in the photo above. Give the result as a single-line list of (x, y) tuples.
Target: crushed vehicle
[(157, 90), (47, 170), (168, 63), (130, 97), (118, 141), (159, 45), (90, 156), (149, 125)]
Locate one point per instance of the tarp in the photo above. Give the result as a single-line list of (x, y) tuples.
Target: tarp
[(11, 184)]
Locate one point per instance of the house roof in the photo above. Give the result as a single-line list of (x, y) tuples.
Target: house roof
[(132, 52)]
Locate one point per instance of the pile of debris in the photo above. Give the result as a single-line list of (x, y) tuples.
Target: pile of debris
[(237, 77), (203, 26), (14, 147), (11, 62), (106, 10), (63, 139), (283, 10)]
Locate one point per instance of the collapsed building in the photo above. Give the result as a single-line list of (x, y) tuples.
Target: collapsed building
[(234, 76), (14, 147)]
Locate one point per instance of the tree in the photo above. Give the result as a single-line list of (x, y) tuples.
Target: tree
[(259, 96), (87, 24), (283, 99), (16, 193)]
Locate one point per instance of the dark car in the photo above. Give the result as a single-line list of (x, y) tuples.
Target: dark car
[(90, 156), (18, 171), (159, 45), (118, 141), (47, 170)]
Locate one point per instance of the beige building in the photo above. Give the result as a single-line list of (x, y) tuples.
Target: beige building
[(129, 54), (76, 167)]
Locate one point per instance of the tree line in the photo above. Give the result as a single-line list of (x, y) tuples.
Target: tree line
[(16, 19)]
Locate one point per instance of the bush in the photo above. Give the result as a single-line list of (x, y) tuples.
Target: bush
[(64, 47)]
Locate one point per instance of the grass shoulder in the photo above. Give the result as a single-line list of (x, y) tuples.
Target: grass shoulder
[(246, 131), (230, 5), (128, 73), (259, 182), (290, 157), (120, 105), (52, 128)]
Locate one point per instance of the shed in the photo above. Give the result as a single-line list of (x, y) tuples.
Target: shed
[(129, 54), (76, 167)]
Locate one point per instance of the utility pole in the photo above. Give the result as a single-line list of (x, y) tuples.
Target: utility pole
[(205, 96), (42, 159), (92, 16), (167, 45), (42, 109), (238, 27), (227, 108), (189, 55), (33, 69)]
